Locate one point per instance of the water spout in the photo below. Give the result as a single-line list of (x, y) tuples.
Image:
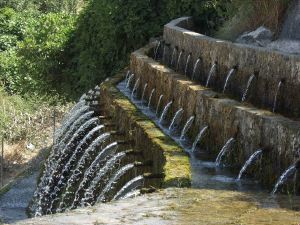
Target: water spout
[(229, 75), (150, 98), (175, 119), (186, 127), (173, 56), (158, 104), (144, 91), (199, 137), (211, 73), (195, 68), (164, 113), (179, 60), (276, 96), (135, 87), (187, 64), (251, 160), (223, 151), (156, 50), (284, 177), (129, 80), (248, 87)]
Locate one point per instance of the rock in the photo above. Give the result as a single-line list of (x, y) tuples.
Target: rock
[(285, 45), (262, 36)]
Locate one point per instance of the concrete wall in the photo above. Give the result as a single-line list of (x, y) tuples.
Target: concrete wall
[(271, 67)]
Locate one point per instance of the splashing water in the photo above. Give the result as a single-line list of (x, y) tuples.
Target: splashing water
[(195, 68), (110, 186), (165, 111), (186, 127), (211, 73), (231, 72), (179, 60), (173, 56), (175, 119), (144, 91), (150, 98), (284, 177), (158, 104), (135, 87), (129, 80), (156, 50), (248, 87), (199, 137), (187, 64), (276, 96), (251, 160), (223, 151), (132, 185)]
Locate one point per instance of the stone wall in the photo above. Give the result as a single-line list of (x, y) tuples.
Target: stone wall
[(168, 158), (271, 67), (253, 128)]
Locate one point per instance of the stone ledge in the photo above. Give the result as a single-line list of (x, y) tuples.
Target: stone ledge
[(167, 156), (252, 127)]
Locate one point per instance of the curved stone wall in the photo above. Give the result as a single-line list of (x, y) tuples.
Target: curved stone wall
[(270, 67)]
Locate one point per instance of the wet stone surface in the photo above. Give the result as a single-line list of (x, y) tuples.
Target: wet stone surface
[(183, 206)]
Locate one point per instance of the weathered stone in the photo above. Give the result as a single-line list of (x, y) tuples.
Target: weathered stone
[(260, 37)]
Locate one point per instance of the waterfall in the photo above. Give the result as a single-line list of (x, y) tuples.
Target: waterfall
[(186, 127), (211, 73), (135, 87), (187, 64), (130, 186), (251, 160), (195, 68), (127, 76), (223, 151), (248, 87), (150, 98), (89, 196), (230, 73), (158, 104), (173, 56), (178, 60), (144, 91), (165, 111), (111, 184), (276, 96), (156, 50), (164, 53), (199, 137), (93, 170), (129, 80), (175, 119), (284, 177)]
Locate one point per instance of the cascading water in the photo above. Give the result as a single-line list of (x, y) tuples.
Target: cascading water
[(165, 111), (250, 161), (156, 50), (224, 150), (158, 104), (179, 60), (186, 127), (199, 137), (144, 91), (229, 75), (129, 80), (187, 64), (130, 186), (211, 74), (175, 119), (195, 68), (173, 56), (150, 98), (135, 87), (284, 177), (276, 96), (251, 78)]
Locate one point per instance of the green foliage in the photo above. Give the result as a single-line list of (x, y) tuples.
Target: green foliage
[(108, 30)]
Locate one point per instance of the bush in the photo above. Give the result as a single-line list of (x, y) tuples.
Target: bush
[(108, 30)]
